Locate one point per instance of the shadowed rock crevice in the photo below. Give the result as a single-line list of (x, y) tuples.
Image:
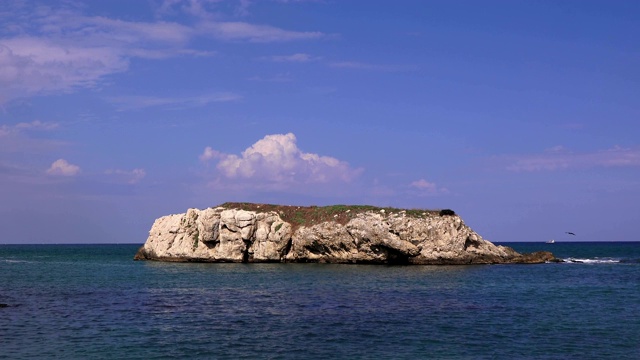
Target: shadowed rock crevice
[(397, 258), (247, 256), (286, 249), (337, 234)]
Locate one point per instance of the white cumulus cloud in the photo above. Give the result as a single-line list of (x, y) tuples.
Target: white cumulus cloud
[(63, 168), (277, 159), (209, 154)]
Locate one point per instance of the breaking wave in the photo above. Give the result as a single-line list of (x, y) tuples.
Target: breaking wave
[(572, 260)]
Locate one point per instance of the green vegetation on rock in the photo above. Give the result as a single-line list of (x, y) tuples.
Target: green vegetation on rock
[(312, 215)]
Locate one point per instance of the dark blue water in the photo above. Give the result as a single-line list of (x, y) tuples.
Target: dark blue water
[(93, 301)]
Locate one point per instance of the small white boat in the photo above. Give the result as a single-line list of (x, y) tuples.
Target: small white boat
[(551, 241)]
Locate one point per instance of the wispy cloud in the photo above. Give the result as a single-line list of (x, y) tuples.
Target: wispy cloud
[(197, 8), (242, 31), (37, 125), (277, 78), (209, 8), (33, 65), (62, 167), (23, 155), (208, 24), (140, 102), (560, 158), (423, 187), (17, 138), (60, 49), (130, 176), (295, 58), (277, 160), (299, 1), (369, 66), (163, 54)]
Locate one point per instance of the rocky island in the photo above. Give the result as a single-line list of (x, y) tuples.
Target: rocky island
[(254, 233)]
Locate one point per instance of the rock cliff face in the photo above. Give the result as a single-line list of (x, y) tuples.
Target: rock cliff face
[(373, 236)]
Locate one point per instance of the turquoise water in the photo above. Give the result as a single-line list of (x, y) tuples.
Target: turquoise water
[(93, 301)]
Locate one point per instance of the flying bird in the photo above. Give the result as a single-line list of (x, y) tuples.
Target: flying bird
[(570, 233)]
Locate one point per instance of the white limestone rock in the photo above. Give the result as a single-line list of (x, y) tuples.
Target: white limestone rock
[(233, 235), (324, 242)]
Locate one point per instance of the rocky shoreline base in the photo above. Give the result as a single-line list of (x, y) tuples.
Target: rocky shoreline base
[(255, 233)]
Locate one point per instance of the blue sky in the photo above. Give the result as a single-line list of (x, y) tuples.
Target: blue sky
[(522, 116)]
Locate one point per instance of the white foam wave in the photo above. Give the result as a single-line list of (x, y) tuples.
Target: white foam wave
[(11, 261), (591, 261)]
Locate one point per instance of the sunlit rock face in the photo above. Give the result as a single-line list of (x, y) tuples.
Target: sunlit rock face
[(224, 234)]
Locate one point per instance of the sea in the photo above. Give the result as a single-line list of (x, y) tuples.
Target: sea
[(96, 302)]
